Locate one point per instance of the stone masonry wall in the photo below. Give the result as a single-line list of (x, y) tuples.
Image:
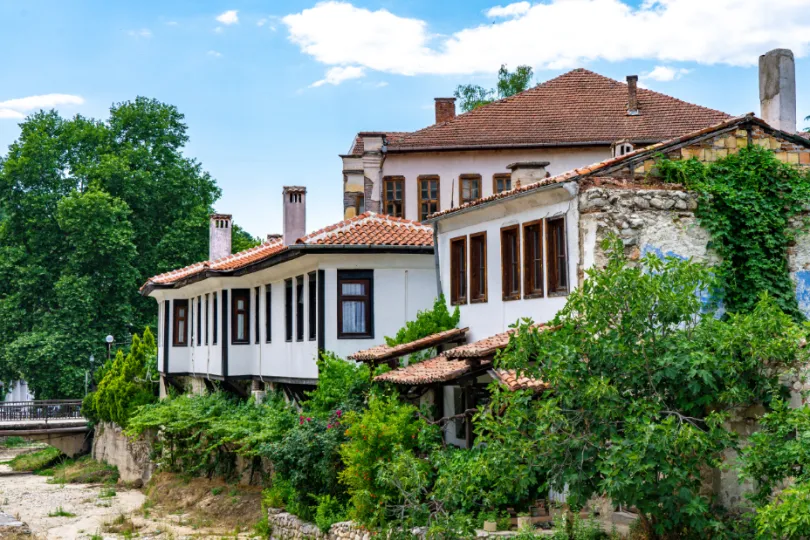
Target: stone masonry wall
[(112, 446)]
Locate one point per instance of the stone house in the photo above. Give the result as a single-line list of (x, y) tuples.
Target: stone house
[(264, 314), (567, 122)]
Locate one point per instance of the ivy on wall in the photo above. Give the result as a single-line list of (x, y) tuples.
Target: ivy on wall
[(748, 202)]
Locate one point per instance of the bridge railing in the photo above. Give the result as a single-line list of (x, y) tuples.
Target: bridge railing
[(54, 409)]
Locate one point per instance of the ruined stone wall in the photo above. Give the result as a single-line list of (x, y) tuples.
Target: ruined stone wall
[(132, 457)]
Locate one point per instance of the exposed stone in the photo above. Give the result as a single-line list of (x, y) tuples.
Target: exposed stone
[(131, 456)]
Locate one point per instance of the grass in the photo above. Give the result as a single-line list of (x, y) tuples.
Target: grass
[(36, 461), (14, 442), (84, 470), (122, 525), (106, 493), (61, 512)]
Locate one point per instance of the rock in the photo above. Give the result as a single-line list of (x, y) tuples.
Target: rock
[(641, 203), (681, 205)]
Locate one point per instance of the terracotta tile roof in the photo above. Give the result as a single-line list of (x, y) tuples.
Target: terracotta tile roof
[(602, 166), (390, 136), (578, 107), (438, 369), (514, 382), (367, 229), (381, 353)]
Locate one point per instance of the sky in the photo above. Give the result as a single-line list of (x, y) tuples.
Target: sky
[(273, 91)]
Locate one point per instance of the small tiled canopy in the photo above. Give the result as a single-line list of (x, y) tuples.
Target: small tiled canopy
[(382, 353)]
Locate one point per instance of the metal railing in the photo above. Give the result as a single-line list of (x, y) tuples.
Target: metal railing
[(54, 409)]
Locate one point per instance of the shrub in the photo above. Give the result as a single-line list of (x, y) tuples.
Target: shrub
[(427, 322), (787, 515), (330, 511), (36, 461)]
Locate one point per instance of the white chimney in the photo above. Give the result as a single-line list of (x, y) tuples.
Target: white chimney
[(219, 236), (295, 213), (777, 89), (527, 172)]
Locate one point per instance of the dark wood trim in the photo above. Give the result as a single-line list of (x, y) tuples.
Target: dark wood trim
[(531, 289), (289, 310), (207, 316), (472, 292), (300, 308), (499, 176), (178, 303), (257, 313), (167, 308), (199, 320), (215, 317), (461, 179), (509, 295), (312, 306), (356, 276), (236, 295), (384, 198), (425, 177), (224, 332), (268, 313), (456, 298), (552, 257), (321, 310)]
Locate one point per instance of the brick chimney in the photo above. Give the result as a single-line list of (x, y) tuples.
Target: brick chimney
[(295, 213), (777, 89), (219, 236), (527, 172), (445, 109), (632, 95)]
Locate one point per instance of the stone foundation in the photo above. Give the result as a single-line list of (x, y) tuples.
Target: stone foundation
[(287, 526), (132, 457)]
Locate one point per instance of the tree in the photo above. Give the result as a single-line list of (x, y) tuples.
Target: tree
[(472, 96), (642, 378), (89, 210)]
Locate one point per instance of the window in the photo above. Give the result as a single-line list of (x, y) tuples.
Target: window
[(191, 319), (355, 307), (313, 310), (206, 319), (288, 309), (393, 196), (216, 318), (299, 308), (478, 267), (180, 329), (458, 270), (469, 188), (428, 196), (256, 320), (199, 320), (510, 262), (533, 259), (240, 316), (557, 256), (268, 319), (501, 183)]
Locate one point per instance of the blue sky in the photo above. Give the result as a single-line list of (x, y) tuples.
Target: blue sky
[(273, 91)]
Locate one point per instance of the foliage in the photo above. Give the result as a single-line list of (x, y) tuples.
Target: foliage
[(747, 202), (427, 322), (126, 384), (330, 511), (472, 96), (14, 442), (788, 515), (341, 386), (84, 470), (37, 460), (649, 377)]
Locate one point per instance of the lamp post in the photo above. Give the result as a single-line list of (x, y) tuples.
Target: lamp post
[(109, 339), (88, 374)]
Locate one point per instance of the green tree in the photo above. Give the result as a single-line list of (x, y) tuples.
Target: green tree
[(89, 210), (472, 96)]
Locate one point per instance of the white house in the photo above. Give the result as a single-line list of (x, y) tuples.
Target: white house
[(567, 122), (265, 313)]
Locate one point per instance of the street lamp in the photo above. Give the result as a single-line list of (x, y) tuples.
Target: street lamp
[(109, 339)]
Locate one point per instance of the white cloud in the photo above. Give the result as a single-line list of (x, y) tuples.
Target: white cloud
[(381, 84), (261, 22), (511, 10), (142, 33), (218, 30), (215, 54), (15, 108), (337, 75), (228, 17), (665, 73), (554, 34)]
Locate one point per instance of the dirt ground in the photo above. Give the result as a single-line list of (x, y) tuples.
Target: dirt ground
[(170, 507)]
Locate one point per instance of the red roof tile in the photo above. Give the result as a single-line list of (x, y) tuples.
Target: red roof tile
[(381, 353), (438, 369), (578, 107), (367, 229), (514, 382), (390, 136)]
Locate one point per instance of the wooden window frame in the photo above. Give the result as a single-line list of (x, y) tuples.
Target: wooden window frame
[(215, 318), (501, 176), (530, 288), (461, 179), (475, 279), (508, 296), (176, 318), (257, 321), (552, 258), (207, 317), (356, 276), (456, 281), (312, 305), (300, 302), (385, 201), (268, 313), (420, 200), (236, 295), (289, 310), (199, 320)]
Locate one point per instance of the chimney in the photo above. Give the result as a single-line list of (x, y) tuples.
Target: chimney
[(219, 236), (445, 109), (295, 213), (632, 95), (527, 172), (777, 89)]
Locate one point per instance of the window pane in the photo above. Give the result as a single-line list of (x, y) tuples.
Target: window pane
[(354, 317), (240, 327), (181, 331), (353, 289)]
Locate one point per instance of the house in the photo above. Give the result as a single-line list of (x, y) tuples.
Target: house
[(264, 314), (567, 122)]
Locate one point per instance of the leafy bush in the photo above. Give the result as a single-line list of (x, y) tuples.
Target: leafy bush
[(787, 516), (330, 511), (36, 461), (342, 386), (427, 322)]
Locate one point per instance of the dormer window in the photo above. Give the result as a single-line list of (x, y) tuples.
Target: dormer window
[(621, 148)]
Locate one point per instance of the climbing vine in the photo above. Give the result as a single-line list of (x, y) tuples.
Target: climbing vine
[(752, 205)]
